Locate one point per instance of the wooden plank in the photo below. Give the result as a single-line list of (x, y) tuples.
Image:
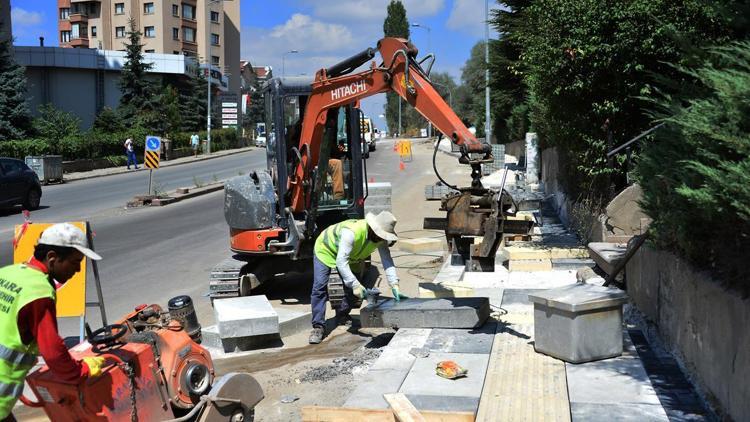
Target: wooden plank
[(520, 384), (340, 414), (402, 408)]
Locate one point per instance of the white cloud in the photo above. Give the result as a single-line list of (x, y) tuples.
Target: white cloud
[(468, 16), (359, 10), (23, 17)]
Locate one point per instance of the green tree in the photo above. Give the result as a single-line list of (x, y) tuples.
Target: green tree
[(472, 77), (695, 174), (170, 104), (108, 121), (193, 103), (396, 24), (15, 119), (54, 124), (138, 101)]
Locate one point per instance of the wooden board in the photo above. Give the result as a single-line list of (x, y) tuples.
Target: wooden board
[(340, 414), (402, 408), (522, 385)]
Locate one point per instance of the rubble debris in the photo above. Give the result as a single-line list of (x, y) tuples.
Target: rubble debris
[(450, 370), (419, 352)]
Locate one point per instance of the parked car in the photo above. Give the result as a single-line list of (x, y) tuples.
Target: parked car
[(18, 185), (260, 141)]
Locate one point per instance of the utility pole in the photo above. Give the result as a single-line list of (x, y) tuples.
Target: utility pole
[(487, 125)]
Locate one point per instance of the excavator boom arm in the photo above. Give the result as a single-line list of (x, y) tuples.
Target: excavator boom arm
[(398, 73)]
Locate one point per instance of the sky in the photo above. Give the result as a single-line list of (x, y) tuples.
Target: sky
[(323, 32)]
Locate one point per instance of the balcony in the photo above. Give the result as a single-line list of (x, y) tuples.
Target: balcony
[(79, 18), (85, 1), (79, 42)]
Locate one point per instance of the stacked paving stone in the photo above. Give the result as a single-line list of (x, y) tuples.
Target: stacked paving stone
[(436, 192), (378, 198), (498, 152)]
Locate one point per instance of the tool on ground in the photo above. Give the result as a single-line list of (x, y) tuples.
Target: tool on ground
[(450, 370), (275, 213), (155, 369)]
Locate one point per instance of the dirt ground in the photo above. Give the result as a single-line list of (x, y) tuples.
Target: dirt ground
[(299, 374)]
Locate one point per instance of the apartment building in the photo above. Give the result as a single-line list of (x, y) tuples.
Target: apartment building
[(204, 29)]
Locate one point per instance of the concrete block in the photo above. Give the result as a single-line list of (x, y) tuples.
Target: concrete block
[(293, 321), (212, 339), (379, 187), (422, 379), (378, 201), (245, 317), (514, 253), (377, 209), (440, 290), (569, 253), (572, 263), (530, 265), (584, 412), (607, 255), (466, 312), (440, 404), (477, 341), (485, 279), (422, 244), (369, 392)]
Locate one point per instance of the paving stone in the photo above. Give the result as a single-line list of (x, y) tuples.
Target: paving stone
[(607, 255), (212, 339), (530, 265), (293, 321), (440, 404), (372, 385), (478, 340), (440, 290), (379, 201), (489, 279), (494, 294), (614, 412), (597, 382), (572, 263), (449, 273), (422, 379), (461, 312), (422, 244), (245, 316)]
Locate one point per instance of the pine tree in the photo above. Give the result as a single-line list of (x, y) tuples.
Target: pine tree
[(193, 103), (15, 119), (138, 93), (395, 25)]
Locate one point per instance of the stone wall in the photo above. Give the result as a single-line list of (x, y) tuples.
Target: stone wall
[(703, 324)]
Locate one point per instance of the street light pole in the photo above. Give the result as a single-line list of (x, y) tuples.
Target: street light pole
[(283, 61), (429, 48), (487, 125)]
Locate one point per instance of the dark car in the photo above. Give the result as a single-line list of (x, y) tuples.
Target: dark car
[(18, 185)]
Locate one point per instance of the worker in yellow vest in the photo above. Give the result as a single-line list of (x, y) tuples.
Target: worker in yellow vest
[(28, 321), (345, 246)]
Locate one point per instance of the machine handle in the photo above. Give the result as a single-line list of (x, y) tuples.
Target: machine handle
[(28, 402)]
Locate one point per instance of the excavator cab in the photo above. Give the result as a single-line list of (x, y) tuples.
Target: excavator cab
[(342, 193)]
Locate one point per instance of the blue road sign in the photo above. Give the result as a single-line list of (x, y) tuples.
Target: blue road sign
[(153, 143)]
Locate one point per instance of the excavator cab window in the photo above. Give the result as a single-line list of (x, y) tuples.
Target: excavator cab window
[(337, 188)]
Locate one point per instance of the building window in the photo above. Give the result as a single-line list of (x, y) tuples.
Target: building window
[(148, 8), (149, 51), (93, 31), (214, 39), (175, 10), (188, 12), (215, 60), (214, 17), (149, 32), (120, 32), (64, 13), (64, 36), (188, 34), (175, 33), (175, 52), (119, 8), (77, 31)]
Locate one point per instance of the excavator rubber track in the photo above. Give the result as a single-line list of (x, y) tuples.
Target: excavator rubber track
[(224, 280)]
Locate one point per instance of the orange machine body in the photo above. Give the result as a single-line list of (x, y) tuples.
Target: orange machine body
[(253, 241), (158, 356)]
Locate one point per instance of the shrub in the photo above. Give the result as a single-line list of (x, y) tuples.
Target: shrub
[(696, 173), (20, 149)]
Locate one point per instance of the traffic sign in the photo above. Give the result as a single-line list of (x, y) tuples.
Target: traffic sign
[(153, 143), (151, 159)]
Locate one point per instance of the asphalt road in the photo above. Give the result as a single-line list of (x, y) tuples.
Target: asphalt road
[(85, 199), (153, 254)]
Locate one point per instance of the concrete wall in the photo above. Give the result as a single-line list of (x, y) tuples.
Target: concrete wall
[(702, 323)]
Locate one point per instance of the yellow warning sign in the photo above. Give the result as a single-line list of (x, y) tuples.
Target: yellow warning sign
[(71, 296), (151, 159), (404, 150)]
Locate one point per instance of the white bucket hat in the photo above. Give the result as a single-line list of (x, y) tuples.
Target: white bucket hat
[(67, 235), (383, 224)]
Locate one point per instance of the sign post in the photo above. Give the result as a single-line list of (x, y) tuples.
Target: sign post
[(151, 157)]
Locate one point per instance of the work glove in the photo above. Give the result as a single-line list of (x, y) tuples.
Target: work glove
[(95, 364), (397, 293), (359, 290)]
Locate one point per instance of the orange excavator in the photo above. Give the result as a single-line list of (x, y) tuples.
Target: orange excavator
[(275, 214)]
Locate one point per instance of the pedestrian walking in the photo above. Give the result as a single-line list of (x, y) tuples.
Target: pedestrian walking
[(195, 143), (130, 153)]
